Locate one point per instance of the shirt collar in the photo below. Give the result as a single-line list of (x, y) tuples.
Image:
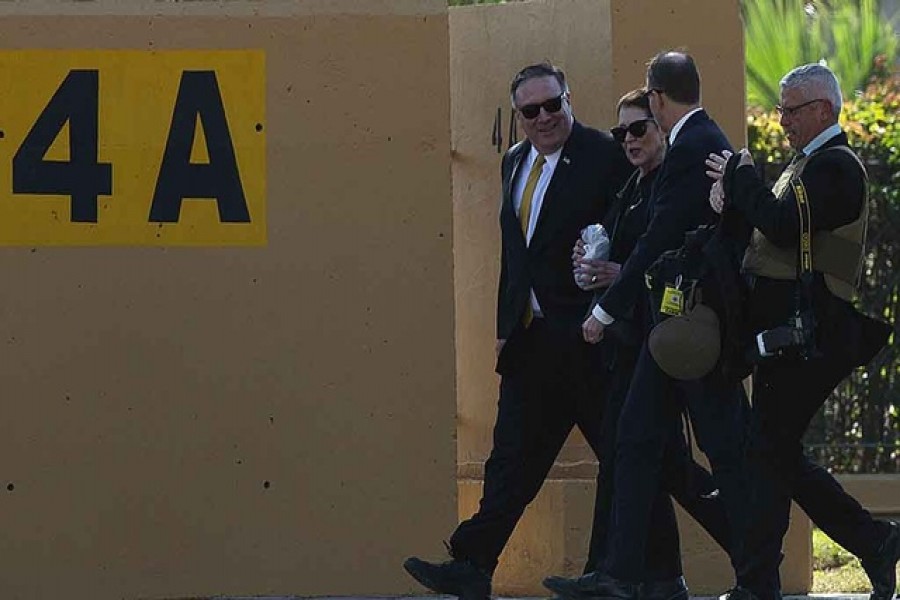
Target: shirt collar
[(818, 141), (551, 159), (677, 127)]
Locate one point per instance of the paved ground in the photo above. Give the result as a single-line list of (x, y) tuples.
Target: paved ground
[(809, 597)]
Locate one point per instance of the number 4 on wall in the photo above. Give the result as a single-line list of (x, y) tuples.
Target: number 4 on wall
[(84, 179), (81, 177)]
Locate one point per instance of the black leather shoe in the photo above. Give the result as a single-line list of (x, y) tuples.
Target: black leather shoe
[(610, 588), (882, 569), (671, 589), (738, 593), (455, 578), (572, 587), (593, 586)]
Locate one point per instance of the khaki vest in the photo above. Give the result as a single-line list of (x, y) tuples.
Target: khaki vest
[(838, 254)]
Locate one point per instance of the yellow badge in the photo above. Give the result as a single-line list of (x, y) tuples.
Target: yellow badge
[(672, 301)]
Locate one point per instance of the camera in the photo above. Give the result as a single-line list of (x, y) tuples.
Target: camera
[(794, 340)]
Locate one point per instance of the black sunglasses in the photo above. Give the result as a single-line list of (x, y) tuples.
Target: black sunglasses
[(530, 111), (635, 128)]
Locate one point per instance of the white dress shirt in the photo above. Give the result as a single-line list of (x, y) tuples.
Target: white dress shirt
[(818, 141), (537, 201)]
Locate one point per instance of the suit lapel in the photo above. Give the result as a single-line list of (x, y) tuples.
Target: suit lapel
[(621, 206), (553, 208), (508, 211), (698, 119)]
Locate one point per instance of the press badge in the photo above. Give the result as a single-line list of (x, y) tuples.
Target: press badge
[(672, 301)]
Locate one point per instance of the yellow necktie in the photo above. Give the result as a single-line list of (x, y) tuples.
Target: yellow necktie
[(525, 217)]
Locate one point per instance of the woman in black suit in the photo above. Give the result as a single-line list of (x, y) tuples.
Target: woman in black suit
[(690, 484)]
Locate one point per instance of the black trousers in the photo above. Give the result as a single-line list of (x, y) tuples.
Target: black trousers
[(786, 395), (650, 415), (551, 382), (687, 482)]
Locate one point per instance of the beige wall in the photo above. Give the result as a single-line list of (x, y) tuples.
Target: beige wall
[(553, 535), (150, 393), (641, 28), (603, 46), (880, 494)]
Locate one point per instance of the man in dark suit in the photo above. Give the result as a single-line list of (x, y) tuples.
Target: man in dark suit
[(715, 404), (687, 482), (562, 178), (826, 184)]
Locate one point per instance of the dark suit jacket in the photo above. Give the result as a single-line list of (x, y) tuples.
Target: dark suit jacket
[(835, 186), (626, 221), (679, 203), (591, 169)]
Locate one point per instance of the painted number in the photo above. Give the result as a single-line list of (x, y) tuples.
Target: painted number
[(83, 178)]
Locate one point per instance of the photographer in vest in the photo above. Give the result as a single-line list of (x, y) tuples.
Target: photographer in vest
[(803, 267)]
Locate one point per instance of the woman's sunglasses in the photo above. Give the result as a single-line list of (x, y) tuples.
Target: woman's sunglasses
[(635, 128), (530, 111)]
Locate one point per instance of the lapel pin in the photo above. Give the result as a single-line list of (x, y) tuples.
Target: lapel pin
[(566, 159)]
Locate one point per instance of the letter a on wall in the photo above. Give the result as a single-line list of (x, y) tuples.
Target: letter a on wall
[(199, 101)]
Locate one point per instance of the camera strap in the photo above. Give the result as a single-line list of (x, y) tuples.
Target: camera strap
[(804, 248)]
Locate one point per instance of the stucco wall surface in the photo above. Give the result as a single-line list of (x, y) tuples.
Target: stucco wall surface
[(269, 420)]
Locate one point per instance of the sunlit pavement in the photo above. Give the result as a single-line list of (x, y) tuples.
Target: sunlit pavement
[(807, 597)]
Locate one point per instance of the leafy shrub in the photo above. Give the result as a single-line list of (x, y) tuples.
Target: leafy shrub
[(847, 34)]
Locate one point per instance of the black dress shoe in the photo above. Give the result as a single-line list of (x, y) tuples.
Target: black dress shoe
[(610, 588), (671, 589), (738, 593), (593, 586), (572, 587), (455, 578), (882, 569)]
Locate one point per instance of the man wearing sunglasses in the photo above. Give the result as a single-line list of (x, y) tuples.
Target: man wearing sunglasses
[(678, 204), (563, 177)]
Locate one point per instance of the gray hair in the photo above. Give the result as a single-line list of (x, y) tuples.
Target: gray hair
[(544, 69), (815, 79)]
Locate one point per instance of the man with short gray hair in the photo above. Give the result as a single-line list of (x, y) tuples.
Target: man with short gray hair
[(808, 334)]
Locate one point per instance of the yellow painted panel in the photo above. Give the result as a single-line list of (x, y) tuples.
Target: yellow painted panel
[(85, 133)]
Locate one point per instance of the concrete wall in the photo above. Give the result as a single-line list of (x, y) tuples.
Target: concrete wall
[(641, 28), (266, 419), (880, 494), (603, 46)]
